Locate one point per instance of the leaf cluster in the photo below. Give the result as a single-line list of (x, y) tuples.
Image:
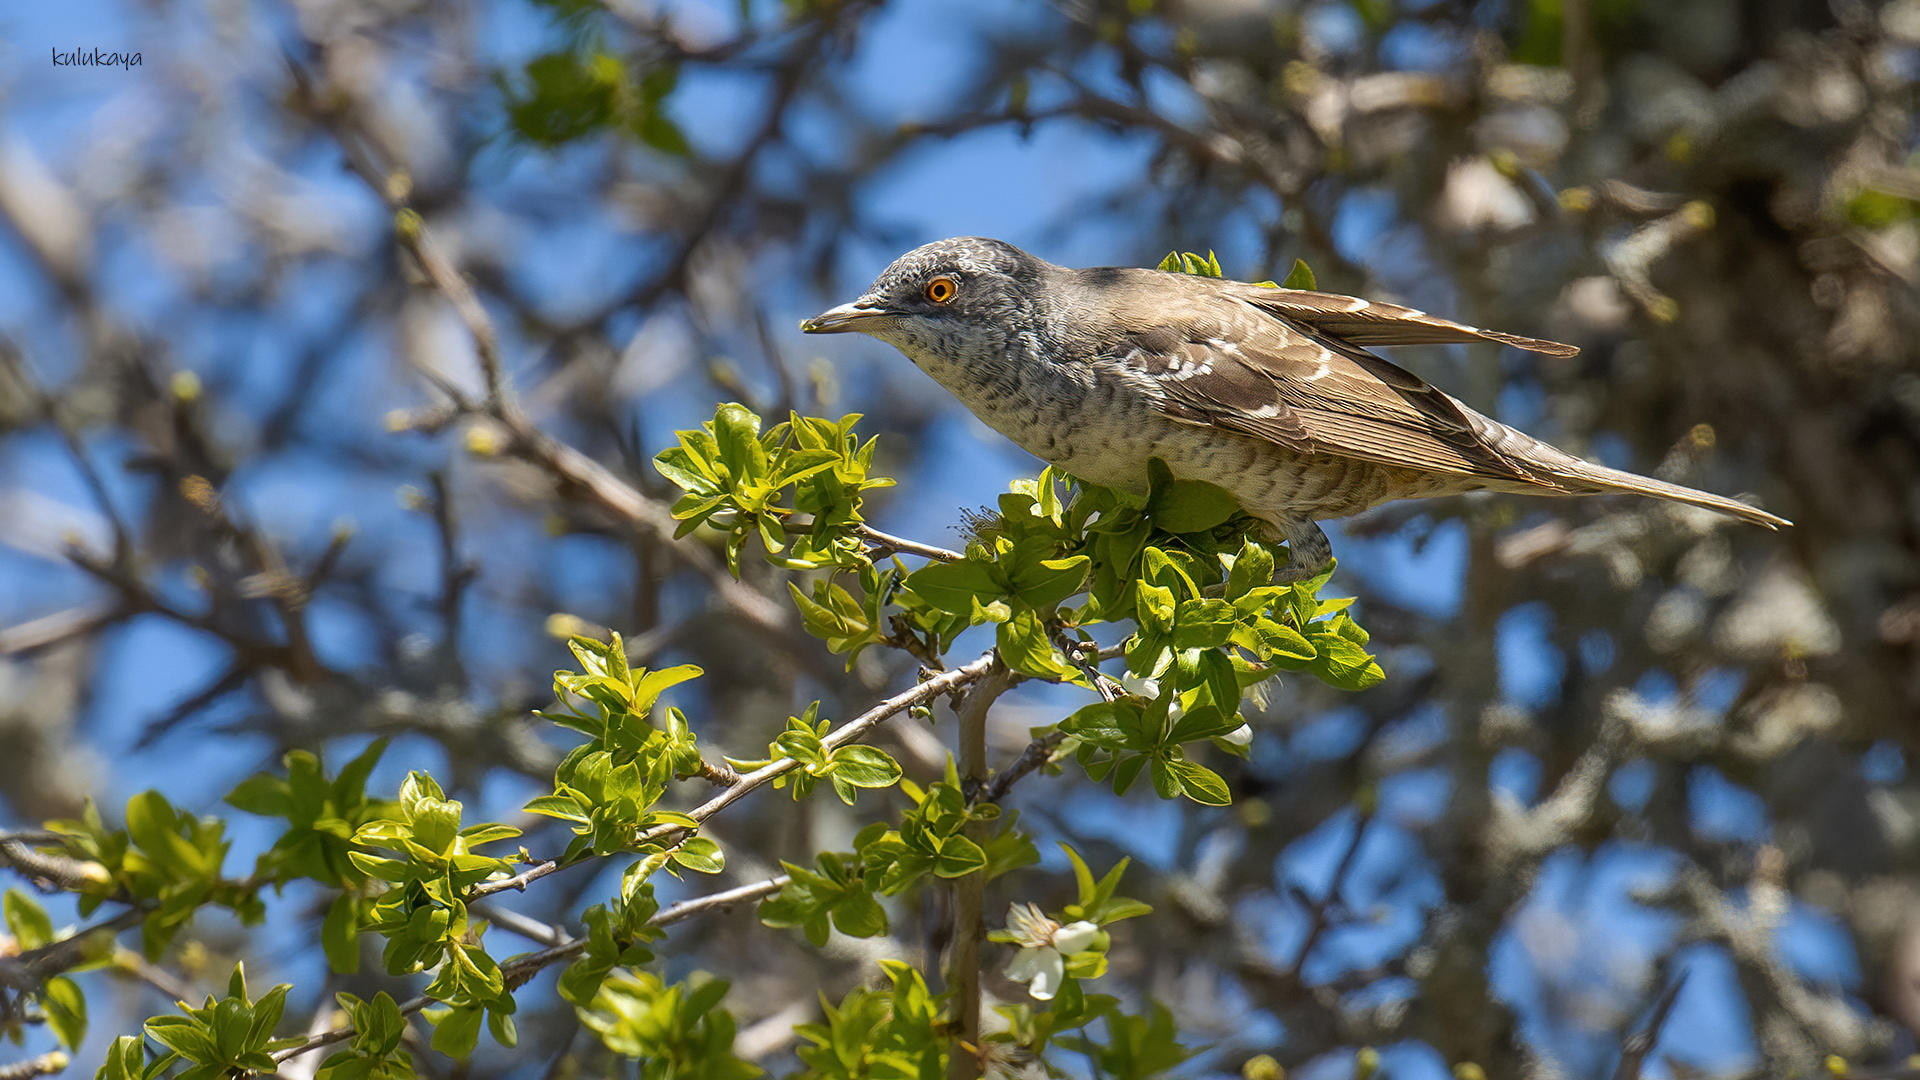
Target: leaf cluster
[(165, 861), (745, 482), (675, 1031), (564, 96), (849, 767), (607, 787), (230, 1036), (423, 913), (62, 1004)]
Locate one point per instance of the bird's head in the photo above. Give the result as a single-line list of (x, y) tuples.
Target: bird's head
[(940, 295)]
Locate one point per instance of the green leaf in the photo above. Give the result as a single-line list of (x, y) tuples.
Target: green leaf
[(125, 1060), (1082, 875), (561, 97), (340, 935), (27, 921), (958, 857), (1025, 648), (1200, 783), (66, 1010), (865, 767), (1300, 277), (1047, 582), (458, 1032), (1186, 506), (1341, 662), (953, 587), (1104, 723), (1268, 639), (1203, 624), (701, 854), (1252, 569), (182, 1035), (736, 429), (1203, 722), (262, 793), (860, 915)]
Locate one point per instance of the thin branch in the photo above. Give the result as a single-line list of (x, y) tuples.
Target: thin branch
[(45, 1065), (526, 926), (174, 987), (1322, 911), (27, 970), (851, 731), (969, 892), (1029, 762), (687, 909), (887, 543), (16, 852), (518, 970), (1641, 1043), (50, 630)]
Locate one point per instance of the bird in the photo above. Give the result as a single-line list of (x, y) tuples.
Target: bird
[(1270, 393)]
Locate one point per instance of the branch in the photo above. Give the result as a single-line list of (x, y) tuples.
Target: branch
[(522, 968), (1641, 1043), (1040, 749), (969, 925), (61, 870), (567, 465), (26, 971), (851, 731), (45, 1065), (887, 543), (50, 630)]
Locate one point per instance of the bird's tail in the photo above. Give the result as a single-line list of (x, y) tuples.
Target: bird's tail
[(1586, 478), (1551, 468)]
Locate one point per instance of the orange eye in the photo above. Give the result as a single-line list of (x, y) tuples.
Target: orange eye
[(941, 289)]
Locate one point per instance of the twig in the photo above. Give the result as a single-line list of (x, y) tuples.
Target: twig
[(49, 630), (174, 987), (721, 775), (527, 927), (969, 892), (1638, 1045), (1322, 917), (27, 970), (45, 1065), (567, 465), (851, 731), (1029, 761), (518, 970), (1076, 653), (1040, 749), (61, 870), (887, 543), (687, 909)]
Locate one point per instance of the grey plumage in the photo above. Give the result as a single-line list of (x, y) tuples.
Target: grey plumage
[(1269, 393)]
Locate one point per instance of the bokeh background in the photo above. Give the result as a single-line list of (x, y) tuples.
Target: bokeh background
[(1621, 744)]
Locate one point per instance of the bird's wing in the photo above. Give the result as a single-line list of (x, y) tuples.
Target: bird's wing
[(1369, 322), (1223, 361)]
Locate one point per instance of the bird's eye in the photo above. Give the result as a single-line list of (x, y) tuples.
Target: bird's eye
[(941, 289)]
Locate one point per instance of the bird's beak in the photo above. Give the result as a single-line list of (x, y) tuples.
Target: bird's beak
[(845, 319)]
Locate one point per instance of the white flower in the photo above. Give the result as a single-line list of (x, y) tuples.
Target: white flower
[(1044, 945), (1140, 687), (1240, 736)]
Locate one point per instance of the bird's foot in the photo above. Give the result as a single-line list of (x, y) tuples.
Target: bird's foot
[(1308, 551)]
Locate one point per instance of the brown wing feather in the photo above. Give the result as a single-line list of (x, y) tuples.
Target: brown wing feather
[(1369, 322), (1242, 369)]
